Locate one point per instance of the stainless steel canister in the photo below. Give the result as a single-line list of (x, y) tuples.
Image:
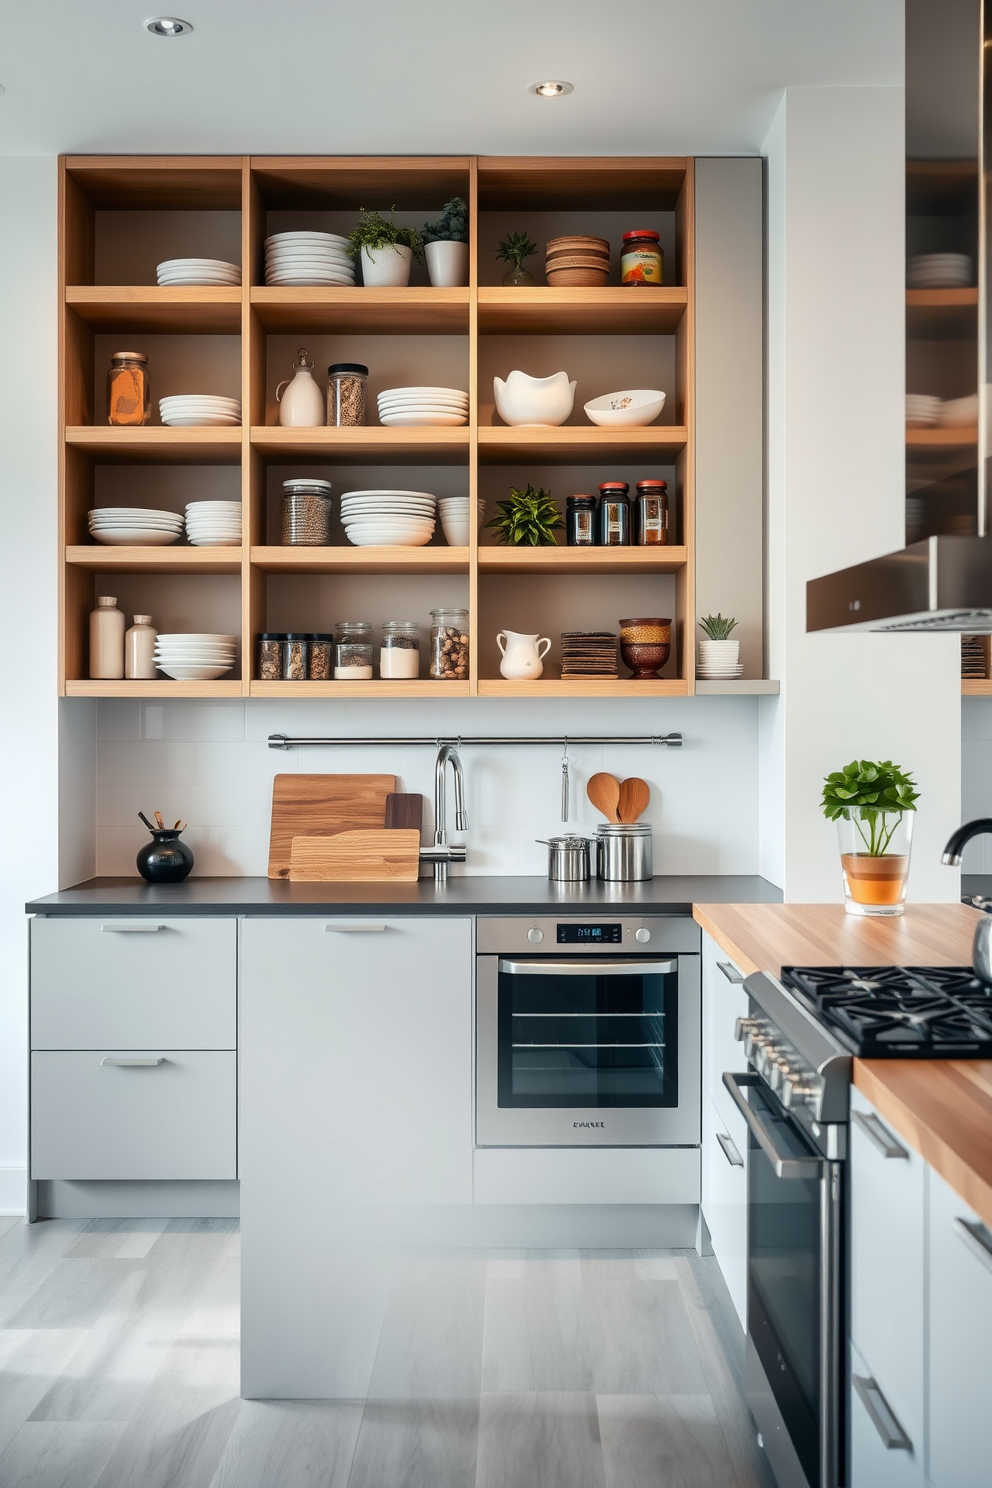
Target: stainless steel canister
[(623, 852), (568, 858)]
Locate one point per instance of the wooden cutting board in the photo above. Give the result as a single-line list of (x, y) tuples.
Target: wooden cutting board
[(320, 806), (380, 856), (405, 809)]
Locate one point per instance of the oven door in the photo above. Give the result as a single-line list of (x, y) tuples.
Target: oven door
[(793, 1291), (588, 1051)]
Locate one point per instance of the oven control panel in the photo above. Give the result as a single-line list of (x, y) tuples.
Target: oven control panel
[(574, 932), (779, 1064), (592, 933)]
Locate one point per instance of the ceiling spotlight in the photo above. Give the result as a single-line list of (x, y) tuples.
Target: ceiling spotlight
[(551, 89), (168, 26)]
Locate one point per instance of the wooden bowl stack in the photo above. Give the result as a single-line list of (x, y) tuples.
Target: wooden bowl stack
[(578, 260)]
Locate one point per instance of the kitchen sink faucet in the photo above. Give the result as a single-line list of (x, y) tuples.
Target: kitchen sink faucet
[(448, 754)]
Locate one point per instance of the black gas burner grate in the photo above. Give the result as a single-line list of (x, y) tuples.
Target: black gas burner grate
[(900, 1012)]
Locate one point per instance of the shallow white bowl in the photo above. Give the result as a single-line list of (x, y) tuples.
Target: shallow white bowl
[(349, 495), (423, 420), (456, 534), (134, 537), (201, 421), (643, 406), (389, 539), (305, 234), (193, 673)]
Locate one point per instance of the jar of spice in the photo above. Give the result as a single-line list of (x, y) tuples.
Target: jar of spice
[(651, 513), (580, 521), (128, 389), (614, 514), (641, 258), (321, 655), (347, 383), (353, 651), (306, 513), (449, 645), (399, 653), (295, 656), (270, 644), (139, 648)]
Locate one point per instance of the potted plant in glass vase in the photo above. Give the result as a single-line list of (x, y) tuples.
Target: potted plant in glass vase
[(386, 249), (513, 250), (873, 804), (446, 246)]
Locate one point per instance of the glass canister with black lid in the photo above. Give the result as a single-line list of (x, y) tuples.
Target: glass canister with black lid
[(580, 521), (306, 513), (614, 514), (651, 513), (347, 384)]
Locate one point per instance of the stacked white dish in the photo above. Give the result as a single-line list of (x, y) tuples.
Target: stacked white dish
[(402, 519), (197, 271), (308, 258), (200, 410), (922, 410), (719, 660), (455, 518), (420, 407), (135, 526), (940, 271), (214, 524), (195, 656)]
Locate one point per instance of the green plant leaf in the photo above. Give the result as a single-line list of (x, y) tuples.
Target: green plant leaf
[(515, 248), (375, 231), (717, 627), (526, 518), (870, 790)]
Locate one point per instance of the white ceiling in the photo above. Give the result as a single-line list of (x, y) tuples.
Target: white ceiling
[(426, 76)]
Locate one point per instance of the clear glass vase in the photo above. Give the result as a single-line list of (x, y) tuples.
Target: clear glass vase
[(874, 855)]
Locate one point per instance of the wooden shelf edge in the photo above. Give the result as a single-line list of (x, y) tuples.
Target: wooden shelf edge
[(415, 687), (360, 560), (564, 559), (583, 687), (976, 686), (160, 688), (154, 560)]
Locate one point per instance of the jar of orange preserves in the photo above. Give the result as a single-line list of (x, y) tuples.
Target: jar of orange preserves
[(641, 258), (128, 389)]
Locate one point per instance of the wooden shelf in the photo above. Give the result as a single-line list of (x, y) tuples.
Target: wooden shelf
[(564, 559), (184, 560), (582, 687), (941, 314), (361, 560), (420, 687), (610, 311), (164, 687), (976, 686), (368, 445), (579, 444), (189, 309), (414, 310), (937, 441), (156, 444)]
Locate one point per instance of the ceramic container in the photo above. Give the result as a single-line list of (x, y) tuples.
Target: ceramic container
[(386, 267), (645, 645), (301, 405), (632, 408), (165, 859), (106, 639), (534, 402), (447, 264), (624, 852), (522, 660)]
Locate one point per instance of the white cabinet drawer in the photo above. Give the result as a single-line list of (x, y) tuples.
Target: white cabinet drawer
[(127, 983), (91, 1118), (724, 1001), (725, 1198), (876, 1460)]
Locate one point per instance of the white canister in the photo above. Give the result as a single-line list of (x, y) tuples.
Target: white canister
[(106, 640), (301, 406), (139, 649), (447, 263), (522, 661)]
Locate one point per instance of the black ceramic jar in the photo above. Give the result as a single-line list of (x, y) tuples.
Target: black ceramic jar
[(165, 859)]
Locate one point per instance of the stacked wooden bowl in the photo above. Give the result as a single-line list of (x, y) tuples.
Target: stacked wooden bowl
[(578, 260)]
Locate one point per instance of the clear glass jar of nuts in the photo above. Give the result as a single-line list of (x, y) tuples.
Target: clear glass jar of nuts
[(306, 513), (449, 645), (346, 388)]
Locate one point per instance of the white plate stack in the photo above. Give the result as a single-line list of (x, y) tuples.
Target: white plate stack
[(214, 271), (922, 410), (135, 526), (455, 518), (214, 524), (940, 271), (401, 519), (308, 258), (718, 660), (423, 407), (200, 410), (195, 656)]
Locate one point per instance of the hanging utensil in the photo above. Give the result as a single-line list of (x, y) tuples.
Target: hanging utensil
[(146, 821), (158, 817), (634, 797), (564, 784), (603, 791)]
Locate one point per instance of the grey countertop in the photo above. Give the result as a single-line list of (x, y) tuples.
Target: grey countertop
[(668, 894)]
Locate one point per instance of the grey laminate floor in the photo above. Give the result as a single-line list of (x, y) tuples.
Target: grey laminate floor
[(506, 1369)]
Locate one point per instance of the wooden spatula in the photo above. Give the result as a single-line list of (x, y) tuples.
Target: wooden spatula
[(603, 791), (634, 797)]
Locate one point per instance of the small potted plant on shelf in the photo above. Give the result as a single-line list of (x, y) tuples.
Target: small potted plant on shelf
[(446, 246), (719, 656), (528, 518), (513, 250), (386, 249), (872, 803)]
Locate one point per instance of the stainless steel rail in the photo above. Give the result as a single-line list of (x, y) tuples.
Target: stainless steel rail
[(668, 741)]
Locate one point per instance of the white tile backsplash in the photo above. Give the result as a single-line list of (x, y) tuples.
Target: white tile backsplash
[(976, 778)]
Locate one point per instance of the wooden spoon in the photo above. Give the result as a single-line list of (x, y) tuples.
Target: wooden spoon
[(634, 797), (604, 792)]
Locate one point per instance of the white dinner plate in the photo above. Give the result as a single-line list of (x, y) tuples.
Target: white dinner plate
[(134, 537), (201, 400), (425, 392), (193, 673), (389, 539), (143, 514), (305, 235), (347, 495), (310, 252), (420, 405), (422, 420), (309, 276)]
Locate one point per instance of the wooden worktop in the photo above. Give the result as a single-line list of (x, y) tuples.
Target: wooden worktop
[(941, 1107)]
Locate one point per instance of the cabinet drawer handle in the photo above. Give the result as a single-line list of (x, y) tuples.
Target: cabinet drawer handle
[(129, 1061), (730, 1151), (131, 929), (354, 929), (730, 972), (894, 1439), (977, 1239), (879, 1135)]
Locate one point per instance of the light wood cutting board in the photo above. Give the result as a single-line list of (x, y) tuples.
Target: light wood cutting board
[(320, 806), (382, 856)]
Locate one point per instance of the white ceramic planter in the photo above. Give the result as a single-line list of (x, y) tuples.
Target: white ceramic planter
[(447, 264), (718, 655), (534, 402), (387, 267)]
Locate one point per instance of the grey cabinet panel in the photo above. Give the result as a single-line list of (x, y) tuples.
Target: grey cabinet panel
[(725, 1158), (92, 1118), (874, 1464), (134, 984)]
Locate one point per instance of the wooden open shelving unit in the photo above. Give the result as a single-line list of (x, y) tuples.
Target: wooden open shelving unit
[(121, 215)]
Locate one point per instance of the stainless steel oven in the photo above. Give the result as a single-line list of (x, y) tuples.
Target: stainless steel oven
[(588, 1032)]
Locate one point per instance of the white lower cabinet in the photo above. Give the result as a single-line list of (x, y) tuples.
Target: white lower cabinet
[(725, 1198)]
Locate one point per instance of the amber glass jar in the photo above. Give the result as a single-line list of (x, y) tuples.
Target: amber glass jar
[(651, 513), (641, 259), (128, 389)]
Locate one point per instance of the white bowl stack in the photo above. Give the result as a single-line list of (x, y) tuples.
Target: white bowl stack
[(401, 519), (718, 660), (455, 518), (214, 271), (922, 410), (200, 410), (214, 524), (135, 526), (308, 258), (195, 656), (940, 271), (423, 407)]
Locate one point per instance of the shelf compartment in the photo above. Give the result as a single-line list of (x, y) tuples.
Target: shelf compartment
[(577, 445), (157, 444), (416, 310), (554, 560), (558, 183), (599, 312), (976, 687), (361, 560), (190, 309), (578, 687), (938, 440), (154, 560), (328, 182), (941, 314), (414, 687), (163, 687), (367, 445)]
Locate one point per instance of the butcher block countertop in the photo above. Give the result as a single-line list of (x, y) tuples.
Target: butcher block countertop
[(942, 1108)]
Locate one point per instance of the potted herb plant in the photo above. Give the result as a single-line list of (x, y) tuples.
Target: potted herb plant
[(719, 656), (386, 249), (446, 245), (873, 803), (513, 250), (528, 518)]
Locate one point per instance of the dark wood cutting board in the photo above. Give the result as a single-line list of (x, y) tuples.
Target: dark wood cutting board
[(404, 809), (320, 806)]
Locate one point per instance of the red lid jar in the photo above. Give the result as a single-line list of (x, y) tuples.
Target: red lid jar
[(641, 260)]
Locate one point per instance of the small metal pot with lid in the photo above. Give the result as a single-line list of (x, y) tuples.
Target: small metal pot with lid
[(568, 858)]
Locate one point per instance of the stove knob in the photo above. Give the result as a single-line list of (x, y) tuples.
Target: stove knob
[(535, 936), (642, 935), (742, 1027), (795, 1090), (775, 1072)]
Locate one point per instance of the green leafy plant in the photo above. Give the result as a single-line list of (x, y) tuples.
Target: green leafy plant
[(451, 226), (717, 627), (375, 231), (869, 791), (527, 518), (515, 248)]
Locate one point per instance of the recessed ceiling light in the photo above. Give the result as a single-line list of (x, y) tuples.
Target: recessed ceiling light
[(168, 26), (551, 88)]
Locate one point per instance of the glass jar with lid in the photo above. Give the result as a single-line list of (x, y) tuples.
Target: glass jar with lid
[(399, 652), (449, 645), (295, 656), (129, 399), (306, 513), (614, 514), (651, 513), (347, 387), (641, 259), (580, 521), (353, 651), (321, 663), (270, 644)]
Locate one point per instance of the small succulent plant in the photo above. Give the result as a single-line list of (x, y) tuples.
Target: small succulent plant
[(515, 248), (526, 519), (451, 226), (717, 626)]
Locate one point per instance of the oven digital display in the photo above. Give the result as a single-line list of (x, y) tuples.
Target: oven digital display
[(589, 935)]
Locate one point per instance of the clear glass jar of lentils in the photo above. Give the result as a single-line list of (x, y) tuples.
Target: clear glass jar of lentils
[(347, 383), (306, 513), (449, 645)]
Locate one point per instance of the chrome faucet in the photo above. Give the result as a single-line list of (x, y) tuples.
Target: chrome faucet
[(981, 948), (445, 853)]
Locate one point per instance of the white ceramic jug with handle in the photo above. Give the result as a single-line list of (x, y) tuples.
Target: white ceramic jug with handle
[(302, 404), (522, 661)]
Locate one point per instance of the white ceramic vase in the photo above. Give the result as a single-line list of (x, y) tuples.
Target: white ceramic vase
[(387, 267), (534, 402), (447, 264), (301, 405), (522, 661), (717, 655)]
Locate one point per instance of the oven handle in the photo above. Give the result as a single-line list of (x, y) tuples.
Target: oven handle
[(784, 1165), (615, 965)]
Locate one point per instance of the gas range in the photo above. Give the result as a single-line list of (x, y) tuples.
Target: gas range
[(899, 1012)]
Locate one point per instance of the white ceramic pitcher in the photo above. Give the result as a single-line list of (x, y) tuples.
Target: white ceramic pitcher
[(522, 661), (302, 404)]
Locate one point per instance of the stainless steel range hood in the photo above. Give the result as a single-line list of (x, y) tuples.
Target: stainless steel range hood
[(942, 581)]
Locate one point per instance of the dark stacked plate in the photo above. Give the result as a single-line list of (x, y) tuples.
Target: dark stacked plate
[(588, 653)]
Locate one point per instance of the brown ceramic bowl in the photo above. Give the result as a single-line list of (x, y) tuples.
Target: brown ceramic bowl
[(577, 276), (644, 660), (578, 241)]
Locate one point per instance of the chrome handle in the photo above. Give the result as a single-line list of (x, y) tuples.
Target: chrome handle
[(729, 1149), (784, 1165), (368, 929), (880, 1414), (879, 1135), (977, 1238), (730, 972), (133, 1061), (131, 929), (586, 964)]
